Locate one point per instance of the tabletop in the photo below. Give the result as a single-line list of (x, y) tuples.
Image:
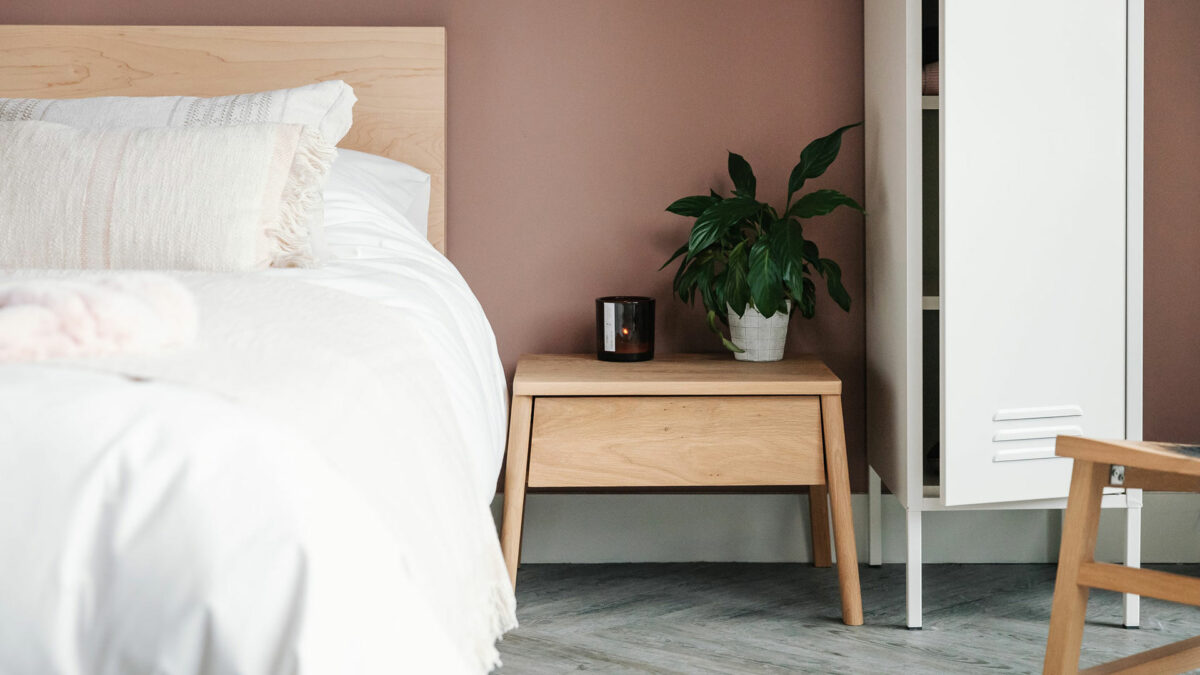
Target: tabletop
[(672, 375)]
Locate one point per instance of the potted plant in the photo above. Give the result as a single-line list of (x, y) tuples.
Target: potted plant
[(750, 264)]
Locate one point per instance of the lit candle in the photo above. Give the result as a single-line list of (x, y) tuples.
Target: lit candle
[(624, 328)]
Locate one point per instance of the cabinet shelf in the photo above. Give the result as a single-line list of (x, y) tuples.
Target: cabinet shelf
[(931, 102), (931, 302)]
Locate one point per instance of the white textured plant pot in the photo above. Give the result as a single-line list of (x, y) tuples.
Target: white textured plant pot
[(760, 338)]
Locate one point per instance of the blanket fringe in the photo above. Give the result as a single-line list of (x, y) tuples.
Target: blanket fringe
[(301, 194), (503, 619)]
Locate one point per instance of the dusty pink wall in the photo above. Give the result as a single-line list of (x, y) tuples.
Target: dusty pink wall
[(1172, 220), (573, 123)]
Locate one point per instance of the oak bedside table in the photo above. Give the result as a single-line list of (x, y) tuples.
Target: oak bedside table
[(683, 421)]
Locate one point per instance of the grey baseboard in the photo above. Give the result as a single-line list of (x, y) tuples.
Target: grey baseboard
[(594, 528)]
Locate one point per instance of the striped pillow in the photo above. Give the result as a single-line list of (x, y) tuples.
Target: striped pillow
[(327, 106), (203, 198)]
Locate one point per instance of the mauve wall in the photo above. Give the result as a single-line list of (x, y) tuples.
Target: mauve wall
[(573, 123), (1172, 366)]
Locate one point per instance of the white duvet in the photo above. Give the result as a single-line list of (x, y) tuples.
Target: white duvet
[(305, 489)]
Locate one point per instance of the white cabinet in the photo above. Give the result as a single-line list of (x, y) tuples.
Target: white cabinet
[(1003, 250)]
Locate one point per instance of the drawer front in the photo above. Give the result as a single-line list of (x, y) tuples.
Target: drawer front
[(676, 441)]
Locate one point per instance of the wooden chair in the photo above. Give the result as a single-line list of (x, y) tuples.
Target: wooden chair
[(1130, 464)]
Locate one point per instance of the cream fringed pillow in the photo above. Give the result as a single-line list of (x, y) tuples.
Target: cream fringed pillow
[(326, 106), (197, 198)]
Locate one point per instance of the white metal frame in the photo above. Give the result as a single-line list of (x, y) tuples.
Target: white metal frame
[(902, 200), (1134, 132), (1130, 500)]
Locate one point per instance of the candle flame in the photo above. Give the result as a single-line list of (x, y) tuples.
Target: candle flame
[(624, 331)]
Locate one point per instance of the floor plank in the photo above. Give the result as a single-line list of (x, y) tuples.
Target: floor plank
[(775, 618)]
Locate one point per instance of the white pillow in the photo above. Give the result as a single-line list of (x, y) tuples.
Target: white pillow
[(326, 106), (398, 191), (205, 198)]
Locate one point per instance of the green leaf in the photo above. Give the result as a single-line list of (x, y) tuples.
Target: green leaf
[(712, 294), (682, 290), (787, 242), (767, 218), (717, 219), (766, 287), (816, 158), (719, 285), (737, 289), (811, 254), (695, 278), (685, 280), (820, 203), (678, 252), (833, 278), (692, 207), (742, 175), (808, 298), (712, 325)]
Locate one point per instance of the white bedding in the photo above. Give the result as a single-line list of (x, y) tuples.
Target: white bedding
[(305, 490)]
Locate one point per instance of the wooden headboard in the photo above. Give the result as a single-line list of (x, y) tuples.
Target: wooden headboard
[(398, 74)]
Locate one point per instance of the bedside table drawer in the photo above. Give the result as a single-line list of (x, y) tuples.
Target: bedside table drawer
[(676, 441)]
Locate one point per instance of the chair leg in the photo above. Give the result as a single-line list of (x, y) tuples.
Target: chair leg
[(818, 516), (912, 568), (875, 520), (1069, 609), (1133, 553)]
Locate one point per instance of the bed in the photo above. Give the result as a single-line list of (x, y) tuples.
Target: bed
[(304, 489)]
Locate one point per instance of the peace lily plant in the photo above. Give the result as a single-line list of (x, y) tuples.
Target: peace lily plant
[(750, 264)]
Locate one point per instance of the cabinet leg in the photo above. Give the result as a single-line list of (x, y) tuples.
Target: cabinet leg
[(875, 519), (1133, 553), (837, 473), (519, 422), (912, 567), (818, 516)]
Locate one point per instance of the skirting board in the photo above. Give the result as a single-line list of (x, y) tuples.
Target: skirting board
[(595, 528)]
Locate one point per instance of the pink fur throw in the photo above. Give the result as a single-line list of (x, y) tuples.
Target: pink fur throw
[(67, 317)]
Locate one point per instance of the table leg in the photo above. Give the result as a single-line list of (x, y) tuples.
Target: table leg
[(837, 473), (519, 423), (818, 516)]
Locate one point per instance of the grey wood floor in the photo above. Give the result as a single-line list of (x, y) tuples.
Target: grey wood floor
[(759, 618)]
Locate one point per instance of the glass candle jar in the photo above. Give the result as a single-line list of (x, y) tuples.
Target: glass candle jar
[(624, 328)]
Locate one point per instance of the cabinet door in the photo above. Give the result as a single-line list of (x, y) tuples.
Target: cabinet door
[(1032, 240)]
